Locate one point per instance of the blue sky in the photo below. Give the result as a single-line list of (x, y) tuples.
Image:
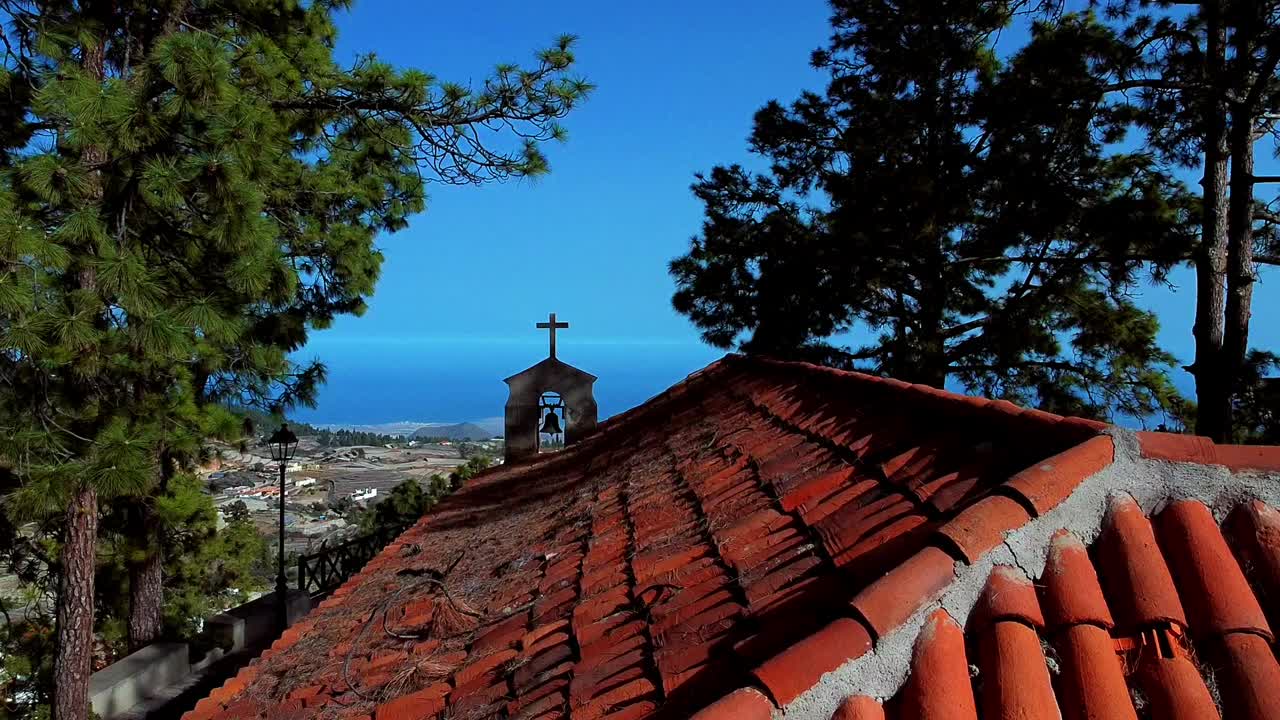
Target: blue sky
[(677, 84)]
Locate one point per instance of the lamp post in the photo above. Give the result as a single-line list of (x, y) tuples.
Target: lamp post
[(283, 444)]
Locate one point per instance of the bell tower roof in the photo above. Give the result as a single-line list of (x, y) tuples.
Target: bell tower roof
[(553, 367), (524, 416)]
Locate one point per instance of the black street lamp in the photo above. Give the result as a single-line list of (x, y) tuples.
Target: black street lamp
[(283, 444)]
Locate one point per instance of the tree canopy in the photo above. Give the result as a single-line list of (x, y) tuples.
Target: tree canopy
[(187, 190), (1199, 80), (980, 240)]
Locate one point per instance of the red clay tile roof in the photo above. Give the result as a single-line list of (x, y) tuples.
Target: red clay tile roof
[(1161, 618), (758, 524)]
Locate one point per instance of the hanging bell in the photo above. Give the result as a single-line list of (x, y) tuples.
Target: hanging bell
[(551, 424)]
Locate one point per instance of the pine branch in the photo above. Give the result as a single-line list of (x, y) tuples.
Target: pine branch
[(1054, 260)]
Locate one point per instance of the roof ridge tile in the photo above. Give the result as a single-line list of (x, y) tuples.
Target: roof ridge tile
[(1175, 447), (793, 671), (742, 704), (898, 594), (983, 525), (1075, 425), (1047, 483)]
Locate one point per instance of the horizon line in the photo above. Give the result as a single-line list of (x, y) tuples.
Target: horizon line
[(321, 338)]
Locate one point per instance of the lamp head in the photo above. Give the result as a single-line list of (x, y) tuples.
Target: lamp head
[(283, 444)]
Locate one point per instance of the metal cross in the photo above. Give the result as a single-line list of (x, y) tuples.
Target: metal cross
[(552, 325)]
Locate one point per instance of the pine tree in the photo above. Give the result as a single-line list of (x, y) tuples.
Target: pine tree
[(206, 569), (187, 189), (987, 241), (1203, 84)]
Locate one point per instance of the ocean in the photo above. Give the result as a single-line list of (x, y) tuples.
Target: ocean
[(373, 381)]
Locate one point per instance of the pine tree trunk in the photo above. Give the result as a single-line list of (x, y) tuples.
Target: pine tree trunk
[(73, 662), (1212, 394), (1240, 273), (146, 587), (1240, 270), (146, 578), (933, 368), (73, 656)]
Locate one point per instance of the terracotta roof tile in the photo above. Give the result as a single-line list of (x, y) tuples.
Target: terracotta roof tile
[(1016, 680), (1249, 457), (889, 601), (1249, 676), (720, 529), (939, 687), (1072, 595), (744, 704), (1092, 683), (423, 703), (946, 491), (813, 486), (1173, 688), (1144, 665), (1195, 449), (536, 705), (1046, 484), (859, 707), (1180, 448), (642, 709), (1215, 593), (1015, 675), (1254, 530), (792, 672), (982, 526), (1008, 596), (888, 538), (1133, 570)]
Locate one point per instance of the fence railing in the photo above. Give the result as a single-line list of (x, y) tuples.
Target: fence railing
[(321, 572)]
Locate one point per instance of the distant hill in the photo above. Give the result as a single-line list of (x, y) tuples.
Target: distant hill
[(488, 427), (459, 431)]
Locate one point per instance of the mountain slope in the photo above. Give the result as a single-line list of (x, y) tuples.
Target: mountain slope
[(459, 431)]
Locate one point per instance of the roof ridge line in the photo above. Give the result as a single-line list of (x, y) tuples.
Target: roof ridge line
[(1178, 447), (611, 424), (946, 398)]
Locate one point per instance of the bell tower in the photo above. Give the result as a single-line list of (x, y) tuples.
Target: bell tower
[(551, 399)]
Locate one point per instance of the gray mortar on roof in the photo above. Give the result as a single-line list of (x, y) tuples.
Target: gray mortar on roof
[(1152, 484)]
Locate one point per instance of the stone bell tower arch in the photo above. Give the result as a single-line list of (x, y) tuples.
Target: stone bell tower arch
[(523, 411)]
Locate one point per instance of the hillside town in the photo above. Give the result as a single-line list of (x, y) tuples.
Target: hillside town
[(326, 488)]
